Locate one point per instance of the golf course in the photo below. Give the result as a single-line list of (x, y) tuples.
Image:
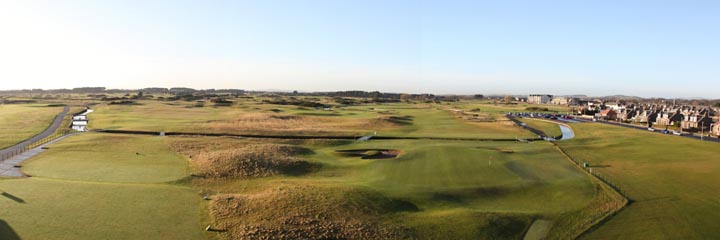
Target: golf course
[(423, 171)]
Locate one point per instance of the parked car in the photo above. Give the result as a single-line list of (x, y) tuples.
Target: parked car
[(677, 133), (665, 131), (651, 129)]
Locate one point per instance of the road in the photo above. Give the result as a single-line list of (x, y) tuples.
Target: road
[(48, 131), (709, 139)]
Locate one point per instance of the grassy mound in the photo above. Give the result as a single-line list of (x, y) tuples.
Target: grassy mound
[(308, 212), (253, 160)]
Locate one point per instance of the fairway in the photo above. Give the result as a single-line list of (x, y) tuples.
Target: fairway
[(94, 186), (20, 122), (672, 180), (55, 209), (109, 158)]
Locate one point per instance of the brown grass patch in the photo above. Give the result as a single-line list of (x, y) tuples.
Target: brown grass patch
[(308, 212), (229, 158), (253, 160), (274, 122)]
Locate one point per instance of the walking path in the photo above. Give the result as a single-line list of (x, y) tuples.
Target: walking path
[(10, 168), (49, 131)]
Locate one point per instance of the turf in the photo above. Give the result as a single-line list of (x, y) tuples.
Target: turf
[(95, 186), (550, 129), (672, 181), (109, 158), (457, 191), (52, 209), (439, 121), (20, 122), (494, 177)]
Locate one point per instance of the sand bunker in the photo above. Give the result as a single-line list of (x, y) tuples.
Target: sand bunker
[(370, 153)]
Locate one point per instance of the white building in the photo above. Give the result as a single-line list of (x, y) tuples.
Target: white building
[(539, 98)]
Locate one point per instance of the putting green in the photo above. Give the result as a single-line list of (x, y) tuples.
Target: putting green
[(485, 176)]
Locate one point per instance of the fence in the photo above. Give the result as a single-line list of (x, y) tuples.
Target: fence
[(602, 178), (24, 147)]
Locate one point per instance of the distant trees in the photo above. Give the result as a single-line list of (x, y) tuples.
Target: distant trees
[(508, 98)]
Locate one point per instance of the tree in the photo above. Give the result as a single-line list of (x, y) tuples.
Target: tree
[(508, 98), (405, 96)]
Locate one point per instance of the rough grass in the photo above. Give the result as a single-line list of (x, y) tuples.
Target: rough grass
[(308, 212), (672, 181), (230, 158), (20, 122), (253, 160), (247, 118), (430, 121), (468, 224)]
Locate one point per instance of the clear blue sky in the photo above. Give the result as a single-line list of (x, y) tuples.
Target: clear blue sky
[(645, 48)]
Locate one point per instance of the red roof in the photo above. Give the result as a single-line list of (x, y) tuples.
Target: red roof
[(607, 111)]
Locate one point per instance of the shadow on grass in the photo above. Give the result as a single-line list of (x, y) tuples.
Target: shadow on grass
[(13, 197), (7, 232)]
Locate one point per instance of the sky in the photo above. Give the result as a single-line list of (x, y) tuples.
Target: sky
[(642, 48)]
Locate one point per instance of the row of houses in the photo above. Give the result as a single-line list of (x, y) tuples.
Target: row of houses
[(686, 118)]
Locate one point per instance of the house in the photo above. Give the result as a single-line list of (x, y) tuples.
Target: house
[(668, 118), (715, 129), (608, 114), (614, 105), (626, 114), (539, 98), (696, 122), (646, 116)]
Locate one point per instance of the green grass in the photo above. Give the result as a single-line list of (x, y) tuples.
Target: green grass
[(460, 194), (672, 180), (54, 209), (436, 121), (20, 122), (474, 175), (428, 120), (94, 186), (109, 158), (549, 128)]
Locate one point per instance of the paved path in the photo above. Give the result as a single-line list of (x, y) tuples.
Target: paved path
[(7, 167), (49, 131), (538, 230)]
